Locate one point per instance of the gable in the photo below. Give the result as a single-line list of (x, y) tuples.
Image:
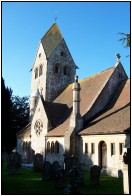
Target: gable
[(40, 113), (116, 118)]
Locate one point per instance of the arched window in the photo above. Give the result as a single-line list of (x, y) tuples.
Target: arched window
[(56, 68), (23, 146), (56, 147), (65, 71), (52, 147), (40, 70), (36, 73), (48, 147)]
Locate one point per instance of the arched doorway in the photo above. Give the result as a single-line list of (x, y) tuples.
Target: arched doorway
[(102, 154)]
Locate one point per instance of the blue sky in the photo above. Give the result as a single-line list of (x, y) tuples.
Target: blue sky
[(90, 30)]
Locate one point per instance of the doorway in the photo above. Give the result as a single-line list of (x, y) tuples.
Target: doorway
[(102, 154)]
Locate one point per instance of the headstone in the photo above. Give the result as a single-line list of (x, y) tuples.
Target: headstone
[(67, 163), (37, 162), (47, 171), (59, 178), (95, 175), (55, 166), (77, 176), (14, 163)]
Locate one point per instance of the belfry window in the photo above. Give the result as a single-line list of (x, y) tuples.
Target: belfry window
[(56, 68), (65, 71), (40, 70), (36, 73)]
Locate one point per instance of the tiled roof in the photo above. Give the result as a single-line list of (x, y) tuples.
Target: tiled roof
[(116, 119), (51, 39), (56, 112), (90, 89), (26, 131)]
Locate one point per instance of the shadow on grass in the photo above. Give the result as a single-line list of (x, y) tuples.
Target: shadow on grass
[(30, 183)]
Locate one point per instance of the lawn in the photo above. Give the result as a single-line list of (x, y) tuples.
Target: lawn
[(30, 183)]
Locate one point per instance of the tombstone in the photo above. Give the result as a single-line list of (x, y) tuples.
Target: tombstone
[(67, 163), (37, 162), (95, 175), (59, 180), (77, 176), (14, 163), (47, 171), (55, 166)]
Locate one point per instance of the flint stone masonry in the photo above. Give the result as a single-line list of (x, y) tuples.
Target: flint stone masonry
[(57, 82)]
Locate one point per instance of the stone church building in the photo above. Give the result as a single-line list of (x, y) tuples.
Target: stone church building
[(88, 118)]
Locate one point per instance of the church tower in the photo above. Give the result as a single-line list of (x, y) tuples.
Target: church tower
[(53, 69)]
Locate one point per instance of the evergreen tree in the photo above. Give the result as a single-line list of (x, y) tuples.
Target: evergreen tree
[(6, 105), (15, 115)]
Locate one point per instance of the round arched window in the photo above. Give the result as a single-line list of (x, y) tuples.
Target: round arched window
[(38, 127)]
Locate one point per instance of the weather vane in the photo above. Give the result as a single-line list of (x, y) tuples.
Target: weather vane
[(55, 16)]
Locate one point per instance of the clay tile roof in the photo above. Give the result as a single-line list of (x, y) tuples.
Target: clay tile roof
[(116, 118), (51, 39), (61, 129), (90, 89), (56, 112)]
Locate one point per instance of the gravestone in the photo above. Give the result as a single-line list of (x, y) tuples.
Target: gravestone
[(77, 176), (47, 171), (55, 166), (59, 180), (95, 175), (37, 162), (67, 163), (14, 163)]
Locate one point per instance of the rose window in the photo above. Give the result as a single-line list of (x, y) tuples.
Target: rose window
[(38, 127)]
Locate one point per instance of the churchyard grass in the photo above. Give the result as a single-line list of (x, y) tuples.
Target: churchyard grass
[(30, 183)]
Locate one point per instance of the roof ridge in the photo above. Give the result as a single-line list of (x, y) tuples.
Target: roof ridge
[(54, 24), (96, 74)]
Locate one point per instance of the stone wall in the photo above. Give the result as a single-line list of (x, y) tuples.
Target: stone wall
[(114, 162), (57, 82), (51, 157), (38, 141)]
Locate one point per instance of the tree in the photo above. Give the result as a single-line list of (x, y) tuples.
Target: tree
[(6, 105), (19, 112), (15, 115), (125, 39)]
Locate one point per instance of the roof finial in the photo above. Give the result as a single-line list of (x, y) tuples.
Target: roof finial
[(55, 16), (76, 78), (118, 56)]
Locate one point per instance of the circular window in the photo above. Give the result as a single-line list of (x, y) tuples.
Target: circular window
[(38, 127)]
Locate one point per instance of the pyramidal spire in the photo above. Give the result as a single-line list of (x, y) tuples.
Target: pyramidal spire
[(51, 39)]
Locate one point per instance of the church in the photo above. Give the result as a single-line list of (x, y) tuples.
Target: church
[(89, 118)]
